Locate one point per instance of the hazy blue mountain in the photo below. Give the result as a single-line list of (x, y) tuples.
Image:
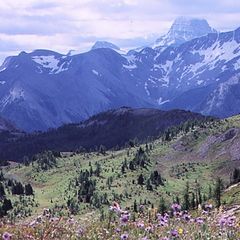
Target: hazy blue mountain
[(45, 89)]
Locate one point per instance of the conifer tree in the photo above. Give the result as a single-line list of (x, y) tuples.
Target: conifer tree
[(141, 179), (218, 191), (28, 189)]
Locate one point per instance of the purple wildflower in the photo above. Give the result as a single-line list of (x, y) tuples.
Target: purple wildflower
[(149, 229), (176, 207), (174, 233), (124, 236), (124, 218), (199, 220), (6, 236), (186, 217), (140, 225)]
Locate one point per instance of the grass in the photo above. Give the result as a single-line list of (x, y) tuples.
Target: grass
[(178, 162)]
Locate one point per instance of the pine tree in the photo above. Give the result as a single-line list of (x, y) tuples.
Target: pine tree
[(193, 205), (218, 191), (1, 176), (123, 169), (141, 179), (162, 206), (18, 189), (2, 191), (135, 209), (102, 149), (98, 169), (235, 176), (7, 205), (131, 166), (28, 189), (209, 192), (186, 197), (149, 185)]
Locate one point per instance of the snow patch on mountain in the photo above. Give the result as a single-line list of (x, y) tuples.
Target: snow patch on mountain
[(14, 94), (95, 72), (218, 95), (237, 64), (49, 62), (146, 88), (131, 61), (161, 102)]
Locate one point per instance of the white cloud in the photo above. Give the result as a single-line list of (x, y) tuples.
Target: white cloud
[(63, 24)]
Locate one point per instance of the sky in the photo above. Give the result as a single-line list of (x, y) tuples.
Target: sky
[(63, 25)]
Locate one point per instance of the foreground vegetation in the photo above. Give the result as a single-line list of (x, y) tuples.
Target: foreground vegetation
[(77, 188), (206, 223)]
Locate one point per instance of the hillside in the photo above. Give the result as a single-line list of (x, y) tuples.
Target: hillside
[(112, 129), (197, 157), (147, 177)]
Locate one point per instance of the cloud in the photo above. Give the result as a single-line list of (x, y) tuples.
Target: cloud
[(62, 24)]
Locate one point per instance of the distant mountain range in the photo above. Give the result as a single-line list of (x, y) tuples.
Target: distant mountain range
[(110, 129), (192, 67)]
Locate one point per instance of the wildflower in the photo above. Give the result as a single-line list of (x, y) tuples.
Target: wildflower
[(149, 229), (163, 220), (124, 236), (231, 221), (199, 220), (115, 207), (7, 236), (180, 231), (79, 232), (174, 233), (208, 207), (141, 208), (124, 218), (186, 217), (227, 221), (32, 224), (46, 212), (140, 225), (176, 207)]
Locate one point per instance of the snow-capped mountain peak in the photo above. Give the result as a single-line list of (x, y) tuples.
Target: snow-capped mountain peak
[(105, 44), (184, 29)]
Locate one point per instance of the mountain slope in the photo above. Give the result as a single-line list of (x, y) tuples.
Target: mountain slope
[(112, 128), (45, 89), (7, 126)]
